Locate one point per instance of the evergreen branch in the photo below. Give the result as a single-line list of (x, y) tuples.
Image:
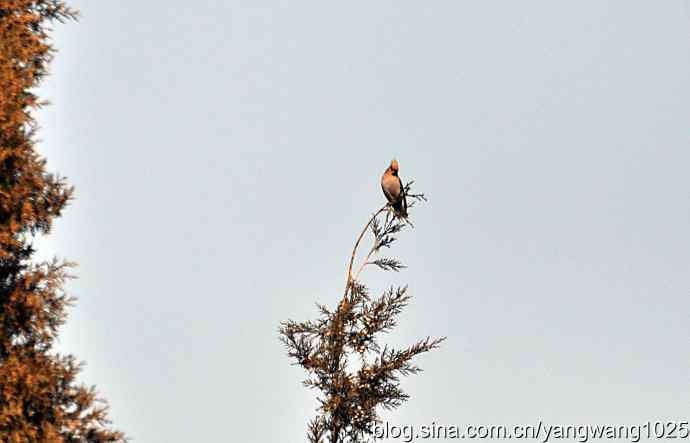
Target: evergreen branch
[(387, 264), (349, 401), (357, 242)]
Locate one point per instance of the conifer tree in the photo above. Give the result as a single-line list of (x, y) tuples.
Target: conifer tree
[(40, 399), (346, 337)]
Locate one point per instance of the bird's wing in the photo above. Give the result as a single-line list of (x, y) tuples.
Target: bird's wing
[(403, 199)]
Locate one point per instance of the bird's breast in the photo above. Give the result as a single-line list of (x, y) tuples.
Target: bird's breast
[(391, 185)]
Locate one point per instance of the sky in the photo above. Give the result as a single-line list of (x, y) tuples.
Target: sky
[(226, 154)]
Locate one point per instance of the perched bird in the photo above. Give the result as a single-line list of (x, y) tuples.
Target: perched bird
[(393, 189)]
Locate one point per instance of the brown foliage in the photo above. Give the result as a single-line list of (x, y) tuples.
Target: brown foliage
[(40, 400), (325, 346)]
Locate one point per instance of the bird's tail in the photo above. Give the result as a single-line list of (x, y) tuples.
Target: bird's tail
[(400, 208)]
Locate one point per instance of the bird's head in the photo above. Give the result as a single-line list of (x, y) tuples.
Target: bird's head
[(394, 167)]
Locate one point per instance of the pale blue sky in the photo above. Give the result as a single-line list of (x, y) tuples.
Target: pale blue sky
[(225, 154)]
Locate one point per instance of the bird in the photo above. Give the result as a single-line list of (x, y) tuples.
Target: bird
[(394, 190)]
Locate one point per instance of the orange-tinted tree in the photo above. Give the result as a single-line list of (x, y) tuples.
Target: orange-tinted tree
[(40, 399), (340, 350)]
